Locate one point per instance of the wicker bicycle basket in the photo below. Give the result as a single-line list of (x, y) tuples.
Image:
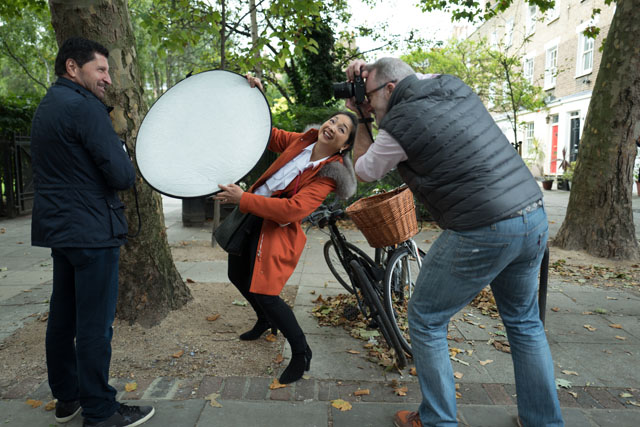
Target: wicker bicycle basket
[(386, 219)]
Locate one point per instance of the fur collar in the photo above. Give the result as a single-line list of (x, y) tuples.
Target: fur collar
[(343, 174)]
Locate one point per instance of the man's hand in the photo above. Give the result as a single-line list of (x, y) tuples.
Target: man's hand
[(357, 68), (255, 82), (231, 194)]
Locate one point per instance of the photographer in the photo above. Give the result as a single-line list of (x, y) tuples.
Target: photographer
[(459, 164), (78, 166), (311, 165)]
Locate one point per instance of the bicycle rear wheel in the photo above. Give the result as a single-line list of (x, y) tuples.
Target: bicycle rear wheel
[(338, 265), (377, 313), (399, 281)]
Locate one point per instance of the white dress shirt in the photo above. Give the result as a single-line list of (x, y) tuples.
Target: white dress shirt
[(287, 173)]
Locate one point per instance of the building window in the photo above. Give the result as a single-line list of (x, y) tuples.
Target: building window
[(528, 136), (584, 63), (532, 17), (528, 69), (508, 33), (551, 67), (553, 13), (494, 39)]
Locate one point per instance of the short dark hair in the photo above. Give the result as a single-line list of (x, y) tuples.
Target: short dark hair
[(80, 50), (354, 129)]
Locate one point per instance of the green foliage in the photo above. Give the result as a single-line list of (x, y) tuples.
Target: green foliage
[(472, 10), (16, 113)]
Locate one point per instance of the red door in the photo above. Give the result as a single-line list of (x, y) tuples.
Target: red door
[(554, 148)]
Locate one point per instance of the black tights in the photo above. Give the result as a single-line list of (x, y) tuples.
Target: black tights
[(269, 308)]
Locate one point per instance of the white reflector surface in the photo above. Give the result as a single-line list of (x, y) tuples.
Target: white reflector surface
[(209, 129)]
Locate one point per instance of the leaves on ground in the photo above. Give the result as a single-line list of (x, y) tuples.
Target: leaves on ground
[(343, 405), (590, 328), (401, 391), (279, 359), (275, 384), (213, 317), (240, 303), (177, 354), (560, 382), (615, 326), (34, 403), (567, 372), (271, 338), (129, 387), (51, 405), (213, 400), (364, 392), (485, 362), (458, 375)]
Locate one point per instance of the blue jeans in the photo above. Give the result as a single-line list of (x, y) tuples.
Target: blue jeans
[(78, 341), (458, 266)]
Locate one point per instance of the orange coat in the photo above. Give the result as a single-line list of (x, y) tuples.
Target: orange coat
[(280, 247)]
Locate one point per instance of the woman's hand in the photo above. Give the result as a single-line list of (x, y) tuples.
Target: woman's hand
[(255, 82), (230, 194)]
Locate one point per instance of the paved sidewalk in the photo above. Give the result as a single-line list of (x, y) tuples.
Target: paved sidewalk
[(608, 378)]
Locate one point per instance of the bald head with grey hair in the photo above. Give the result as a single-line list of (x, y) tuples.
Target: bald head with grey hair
[(390, 69)]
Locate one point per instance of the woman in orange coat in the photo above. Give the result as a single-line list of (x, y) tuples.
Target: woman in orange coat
[(311, 165)]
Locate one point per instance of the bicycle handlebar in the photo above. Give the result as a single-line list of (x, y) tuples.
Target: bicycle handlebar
[(323, 215)]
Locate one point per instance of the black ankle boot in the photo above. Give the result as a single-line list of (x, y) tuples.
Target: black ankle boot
[(257, 331), (300, 362)]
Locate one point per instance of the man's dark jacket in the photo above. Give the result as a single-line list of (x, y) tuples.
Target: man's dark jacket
[(78, 165), (460, 165)]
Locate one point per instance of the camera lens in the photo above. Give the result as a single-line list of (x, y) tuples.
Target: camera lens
[(343, 90)]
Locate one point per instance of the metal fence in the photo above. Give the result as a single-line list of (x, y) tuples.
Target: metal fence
[(16, 176)]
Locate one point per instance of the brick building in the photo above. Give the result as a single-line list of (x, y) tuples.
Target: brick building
[(557, 57)]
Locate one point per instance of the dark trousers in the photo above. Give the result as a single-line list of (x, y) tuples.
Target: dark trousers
[(267, 307), (78, 341)]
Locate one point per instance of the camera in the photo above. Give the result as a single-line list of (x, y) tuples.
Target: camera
[(353, 89)]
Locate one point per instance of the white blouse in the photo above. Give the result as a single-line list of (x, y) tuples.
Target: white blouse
[(287, 173)]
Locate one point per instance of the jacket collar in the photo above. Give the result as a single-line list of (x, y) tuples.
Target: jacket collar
[(63, 81)]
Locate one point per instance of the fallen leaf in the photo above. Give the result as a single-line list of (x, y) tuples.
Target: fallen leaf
[(190, 280), (573, 393), (212, 398), (570, 372), (620, 338), (129, 387), (633, 402), (366, 392), (458, 395), (276, 385), (271, 338), (177, 354), (458, 375), (486, 362), (34, 403), (341, 404), (615, 326), (52, 405), (401, 391), (240, 303), (563, 383), (625, 394), (413, 372), (213, 317), (589, 328), (556, 309), (279, 359), (353, 352)]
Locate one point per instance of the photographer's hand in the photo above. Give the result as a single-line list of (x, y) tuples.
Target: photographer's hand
[(357, 68), (230, 194), (255, 82)]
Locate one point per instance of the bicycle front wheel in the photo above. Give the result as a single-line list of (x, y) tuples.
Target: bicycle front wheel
[(377, 313), (338, 266), (399, 281)]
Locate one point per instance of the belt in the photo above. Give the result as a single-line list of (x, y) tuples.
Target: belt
[(529, 208)]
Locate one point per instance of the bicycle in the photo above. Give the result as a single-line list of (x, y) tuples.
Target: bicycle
[(392, 274)]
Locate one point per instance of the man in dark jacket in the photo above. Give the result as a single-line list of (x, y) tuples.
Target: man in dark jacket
[(79, 164), (460, 165)]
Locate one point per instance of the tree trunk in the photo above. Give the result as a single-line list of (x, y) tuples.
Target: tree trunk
[(150, 285), (599, 216)]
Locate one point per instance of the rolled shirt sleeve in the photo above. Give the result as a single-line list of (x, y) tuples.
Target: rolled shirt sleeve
[(382, 156)]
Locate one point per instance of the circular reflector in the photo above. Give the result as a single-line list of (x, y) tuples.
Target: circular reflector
[(209, 129)]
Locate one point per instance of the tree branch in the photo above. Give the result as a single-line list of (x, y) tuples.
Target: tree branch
[(26, 70)]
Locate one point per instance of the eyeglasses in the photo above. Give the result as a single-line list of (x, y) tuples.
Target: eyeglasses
[(368, 94)]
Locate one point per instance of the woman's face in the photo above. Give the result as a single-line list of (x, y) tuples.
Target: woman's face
[(334, 133)]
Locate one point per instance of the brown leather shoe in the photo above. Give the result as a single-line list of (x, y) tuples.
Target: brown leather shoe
[(407, 419)]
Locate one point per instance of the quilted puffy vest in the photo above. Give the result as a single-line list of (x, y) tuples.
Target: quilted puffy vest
[(460, 165)]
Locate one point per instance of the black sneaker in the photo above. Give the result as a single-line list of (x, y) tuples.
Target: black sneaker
[(125, 416), (65, 411)]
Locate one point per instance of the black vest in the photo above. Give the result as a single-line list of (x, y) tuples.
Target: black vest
[(460, 165)]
